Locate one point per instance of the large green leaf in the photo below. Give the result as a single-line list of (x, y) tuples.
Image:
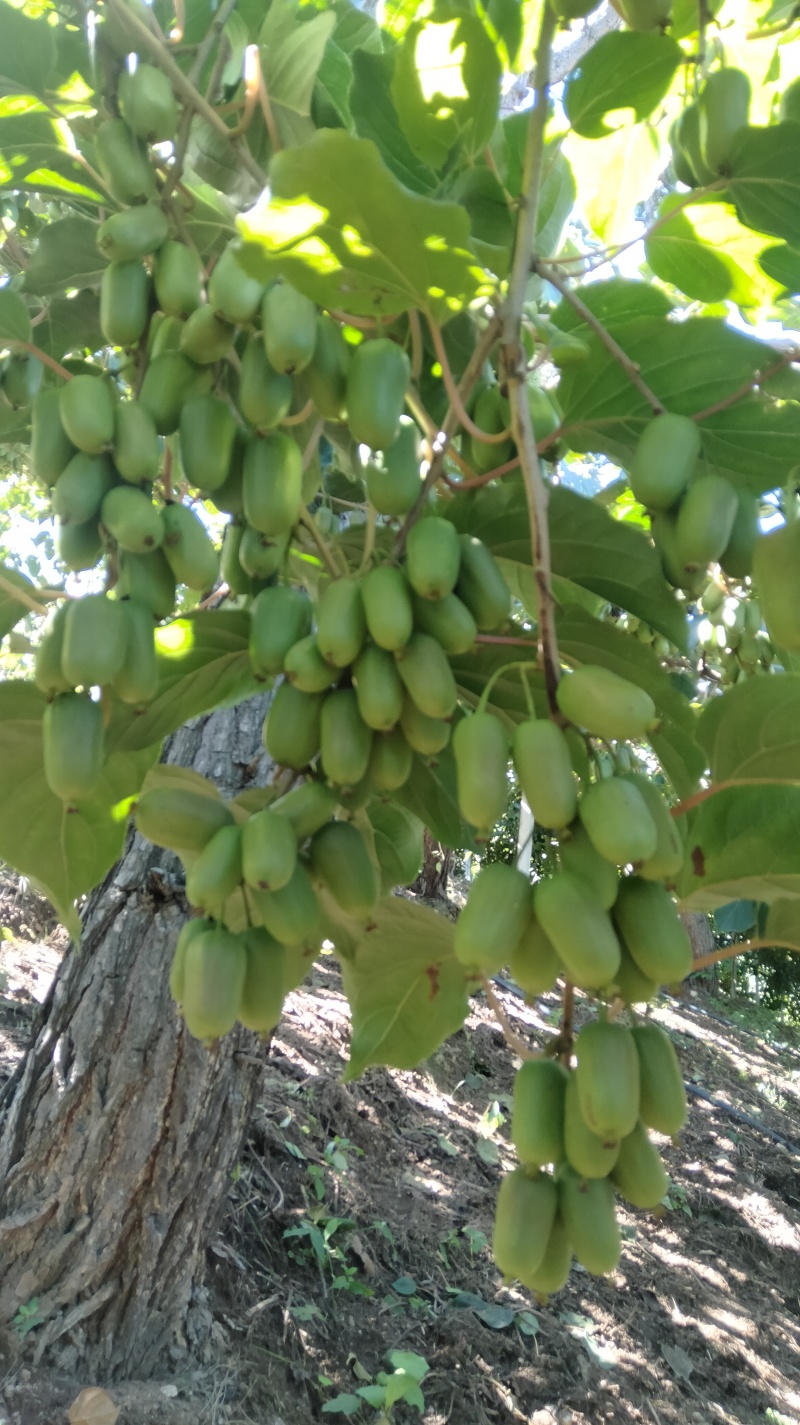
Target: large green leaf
[(342, 229), (333, 85), (291, 50), (27, 51), (782, 924), (33, 155), (430, 793), (446, 87), (782, 264), (677, 255), (407, 990), (15, 319), (11, 609), (70, 324), (742, 845), (375, 117), (753, 730), (66, 256), (628, 69), (765, 179)]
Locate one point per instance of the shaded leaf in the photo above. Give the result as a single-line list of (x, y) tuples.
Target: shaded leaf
[(66, 256), (15, 319), (375, 117), (753, 731), (628, 69), (783, 923), (736, 917), (782, 264), (742, 845), (11, 609), (291, 50), (765, 179), (430, 793)]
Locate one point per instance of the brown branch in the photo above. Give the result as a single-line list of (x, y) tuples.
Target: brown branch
[(44, 358), (566, 1037), (746, 387), (485, 436), (742, 948), (702, 796), (513, 1040), (267, 110), (502, 638)]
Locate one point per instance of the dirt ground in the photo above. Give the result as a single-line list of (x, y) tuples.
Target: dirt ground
[(358, 1224)]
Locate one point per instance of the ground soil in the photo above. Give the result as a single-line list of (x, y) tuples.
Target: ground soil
[(359, 1219)]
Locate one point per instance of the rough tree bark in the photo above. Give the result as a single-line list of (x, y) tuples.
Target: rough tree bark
[(436, 867), (118, 1143)]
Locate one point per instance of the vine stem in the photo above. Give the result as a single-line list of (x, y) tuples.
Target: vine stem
[(510, 1035), (518, 663), (328, 560), (566, 1034), (514, 357), (451, 388), (681, 808), (502, 638), (299, 416), (631, 368), (743, 948), (43, 357)]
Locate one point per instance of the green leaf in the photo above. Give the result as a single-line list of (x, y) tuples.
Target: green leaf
[(33, 155), (490, 220), (735, 917), (402, 1386), (413, 1365), (783, 923), (430, 794), (70, 324), (395, 830), (446, 87), (765, 179), (340, 227), (11, 609), (27, 51), (66, 256), (742, 845), (211, 222), (15, 319), (782, 264), (676, 255), (342, 1405), (626, 70), (375, 117), (753, 730), (291, 50), (334, 81), (407, 990), (613, 176)]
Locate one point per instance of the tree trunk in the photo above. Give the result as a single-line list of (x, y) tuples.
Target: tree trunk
[(431, 883), (119, 1141)]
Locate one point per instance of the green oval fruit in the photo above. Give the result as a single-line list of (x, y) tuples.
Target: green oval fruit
[(667, 452), (124, 299), (51, 448), (289, 324), (544, 769), (607, 1077), (179, 819), (648, 921), (134, 233), (137, 453), (524, 1217), (341, 623), (205, 338), (681, 166), (217, 872), (87, 413), (789, 108), (667, 859), (214, 970), (535, 964), (230, 568), (581, 931), (278, 618), (292, 728), (232, 293), (705, 521), (81, 488), (587, 1206), (448, 620), (481, 586), (480, 748), (427, 676), (197, 926), (265, 395), (307, 807), (137, 680), (188, 548), (662, 1102), (776, 574), (163, 334), (123, 162), (646, 14), (132, 519), (433, 557), (630, 983), (579, 857), (377, 380), (94, 640), (306, 668), (724, 108), (736, 559), (262, 994), (148, 578), (207, 436), (604, 704), (261, 555), (554, 1268), (339, 856), (426, 735), (47, 674), (168, 381), (664, 533), (379, 692), (293, 914), (22, 379), (491, 414), (393, 484), (639, 1174), (387, 607), (565, 351), (73, 746), (618, 821), (586, 1153), (269, 850), (687, 134), (345, 739), (177, 278), (391, 761), (498, 909), (147, 103), (273, 483), (537, 1118), (326, 373), (79, 546)]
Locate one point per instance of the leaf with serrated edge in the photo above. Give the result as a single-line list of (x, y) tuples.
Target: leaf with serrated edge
[(742, 845), (753, 731)]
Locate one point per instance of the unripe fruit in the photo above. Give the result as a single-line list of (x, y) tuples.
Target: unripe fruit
[(377, 380), (326, 373), (94, 640), (631, 983), (197, 926), (579, 857), (124, 297), (587, 1206), (87, 413), (667, 859), (137, 454), (481, 586), (579, 928), (426, 735), (648, 922), (177, 278), (293, 914), (261, 555), (265, 395), (586, 1153), (544, 769), (427, 676), (524, 1217), (638, 1173), (340, 858), (123, 162), (230, 567), (681, 167), (147, 103), (379, 692), (73, 746), (724, 107), (345, 739), (188, 548), (47, 674), (80, 489), (535, 964), (645, 14), (137, 680), (664, 459), (705, 521), (147, 577), (393, 485), (269, 850), (307, 807), (232, 293), (273, 483), (448, 620), (776, 573), (492, 415), (387, 607), (217, 872), (164, 334), (607, 1077), (262, 993), (179, 819), (278, 618), (341, 623), (433, 557), (168, 381), (22, 379), (617, 819), (537, 1119), (134, 233), (292, 727), (207, 436), (79, 546), (498, 910), (565, 350), (51, 448), (289, 323), (480, 748), (306, 668), (664, 532), (390, 762), (214, 971), (205, 338), (132, 519), (662, 1103), (604, 704), (553, 1270)]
